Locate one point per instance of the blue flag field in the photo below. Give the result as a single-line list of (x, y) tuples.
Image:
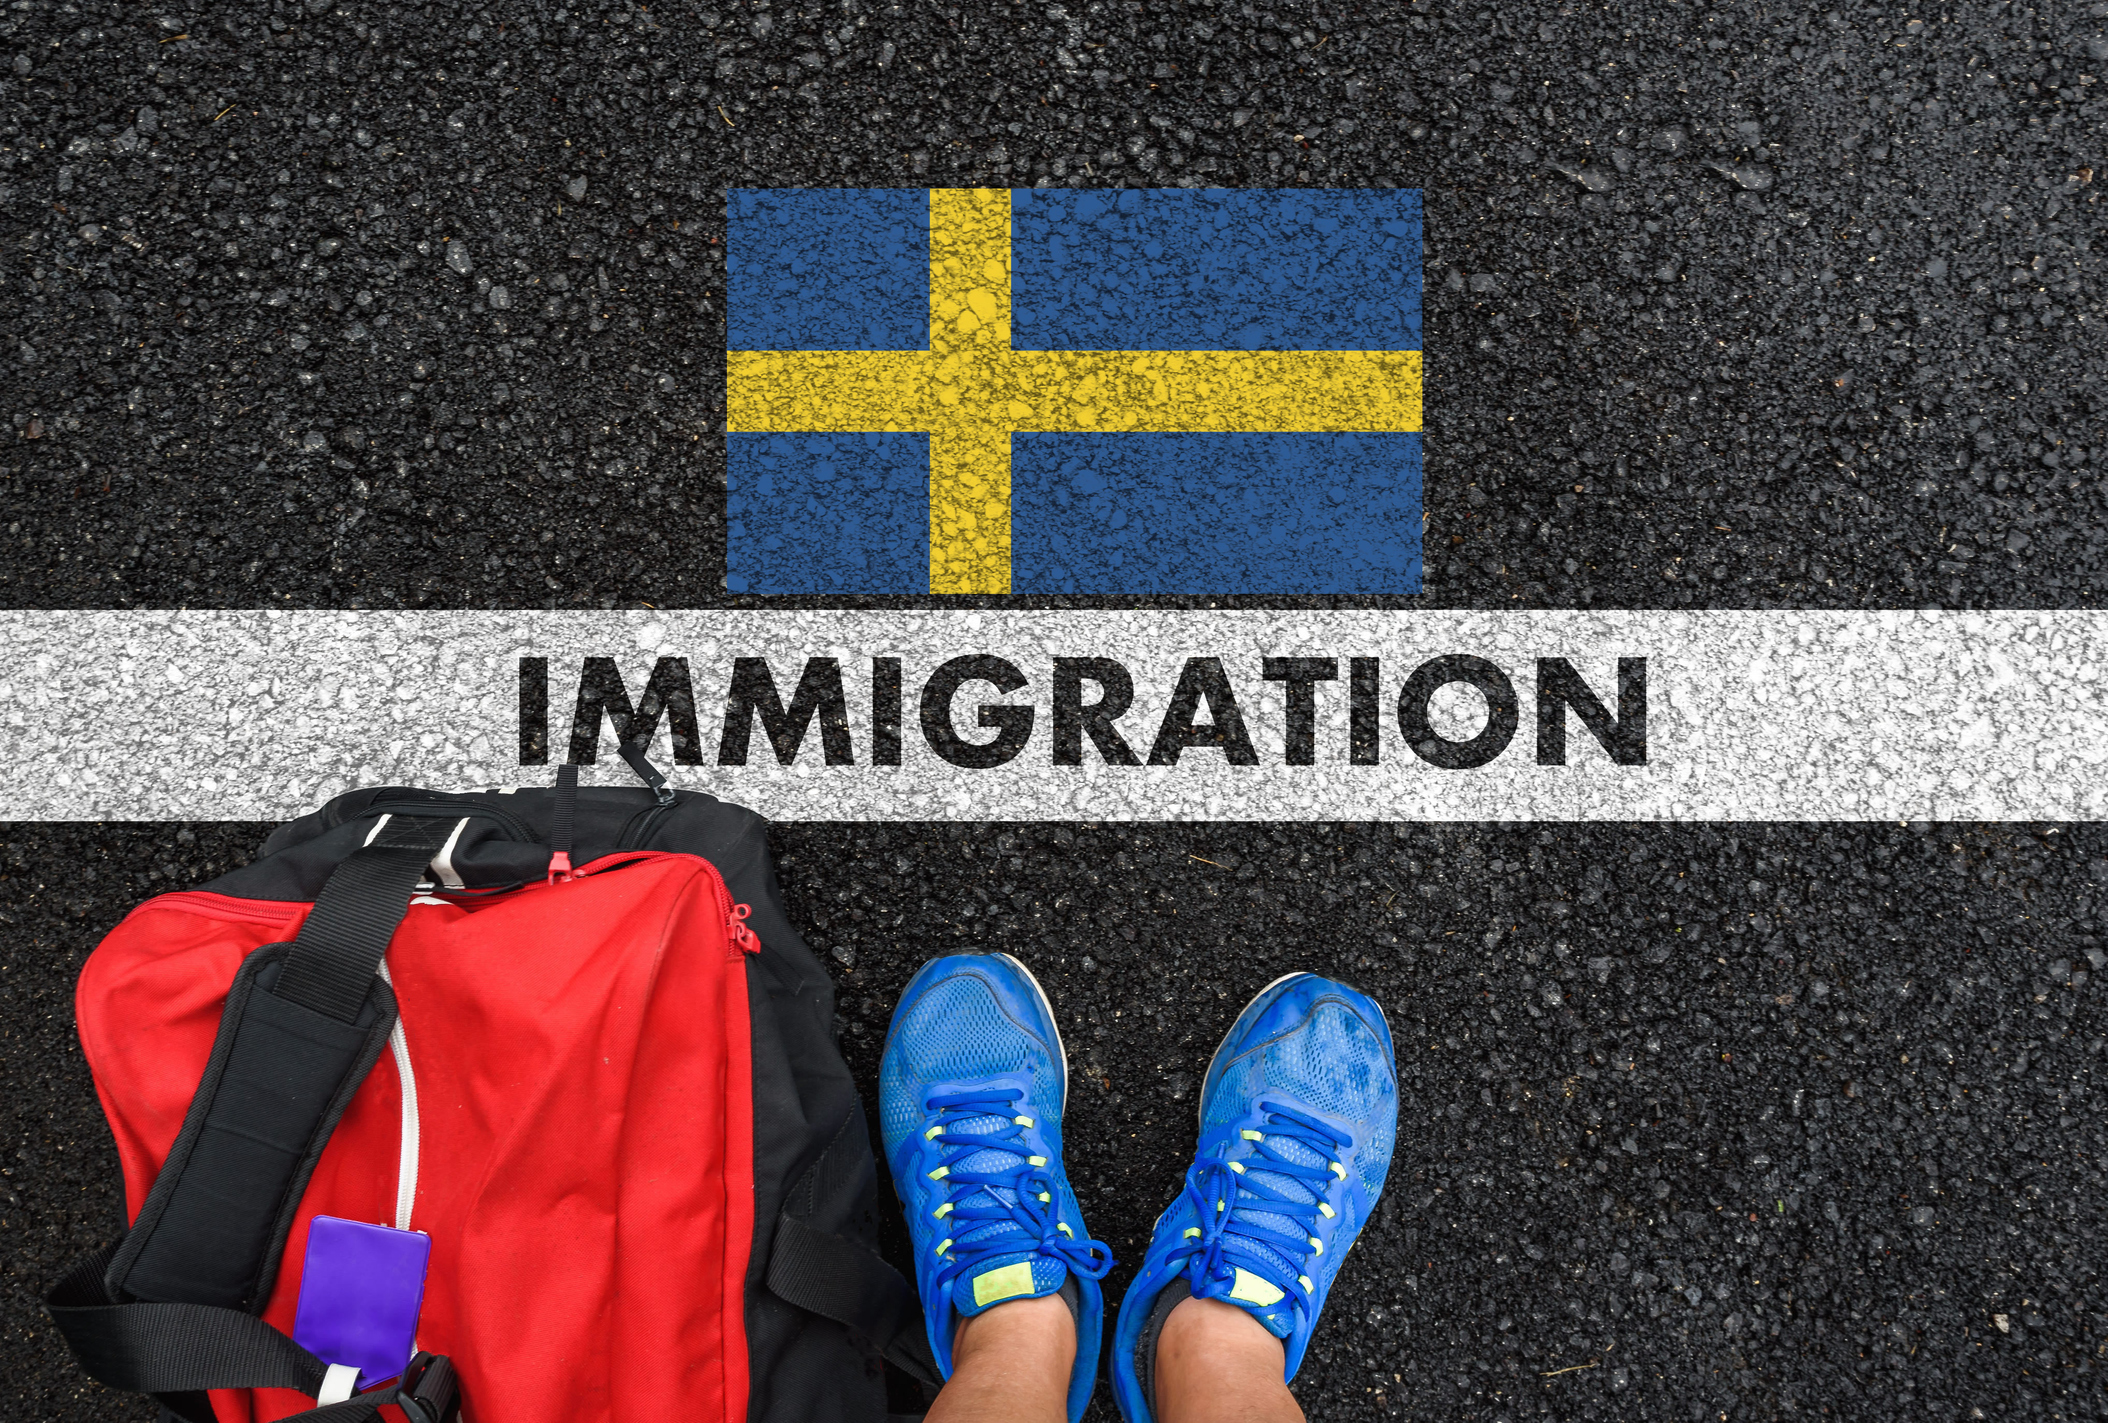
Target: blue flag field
[(1062, 391)]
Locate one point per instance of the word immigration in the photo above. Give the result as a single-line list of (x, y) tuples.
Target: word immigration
[(1086, 707)]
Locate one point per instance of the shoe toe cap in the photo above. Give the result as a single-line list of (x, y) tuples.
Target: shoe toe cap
[(959, 1027), (1334, 1062)]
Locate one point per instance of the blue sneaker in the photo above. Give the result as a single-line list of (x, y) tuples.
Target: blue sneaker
[(971, 1092), (1297, 1116)]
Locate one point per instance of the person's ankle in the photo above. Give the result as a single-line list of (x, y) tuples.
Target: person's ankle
[(1044, 1327), (1208, 1348), (1214, 1327), (1013, 1361)]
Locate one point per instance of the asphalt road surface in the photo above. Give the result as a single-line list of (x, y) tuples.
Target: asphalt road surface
[(1755, 1121), (1728, 307)]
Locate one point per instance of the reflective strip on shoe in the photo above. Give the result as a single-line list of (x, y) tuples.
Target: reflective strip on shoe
[(1007, 1282), (1254, 1290)]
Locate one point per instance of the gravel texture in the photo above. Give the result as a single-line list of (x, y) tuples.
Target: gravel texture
[(1759, 1121), (1725, 305), (322, 306)]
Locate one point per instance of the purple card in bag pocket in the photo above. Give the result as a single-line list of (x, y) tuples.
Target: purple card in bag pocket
[(360, 1292)]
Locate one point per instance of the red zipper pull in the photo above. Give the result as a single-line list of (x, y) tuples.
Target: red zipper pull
[(560, 870), (742, 936)]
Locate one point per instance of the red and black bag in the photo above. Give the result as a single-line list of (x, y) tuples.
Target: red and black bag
[(571, 1037)]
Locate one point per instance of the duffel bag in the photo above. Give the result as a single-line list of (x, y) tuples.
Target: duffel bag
[(507, 1106)]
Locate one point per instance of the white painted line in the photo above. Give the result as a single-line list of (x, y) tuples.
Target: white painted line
[(1750, 715)]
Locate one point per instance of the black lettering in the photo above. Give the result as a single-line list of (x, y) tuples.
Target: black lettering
[(1559, 687), (885, 711), (819, 695), (1013, 725), (600, 689), (1302, 674), (1072, 718), (1365, 711), (1502, 713), (1203, 677), (534, 711)]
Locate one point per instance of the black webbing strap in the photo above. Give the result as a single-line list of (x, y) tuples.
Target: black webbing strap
[(339, 948), (563, 809), (841, 1279), (175, 1352), (172, 1348)]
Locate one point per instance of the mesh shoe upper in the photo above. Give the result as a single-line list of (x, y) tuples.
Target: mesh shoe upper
[(1298, 1119), (971, 1094)]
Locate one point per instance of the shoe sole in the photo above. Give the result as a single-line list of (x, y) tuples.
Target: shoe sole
[(1047, 1007), (1199, 1112)]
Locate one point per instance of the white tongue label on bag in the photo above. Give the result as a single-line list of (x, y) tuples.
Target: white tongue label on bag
[(338, 1382)]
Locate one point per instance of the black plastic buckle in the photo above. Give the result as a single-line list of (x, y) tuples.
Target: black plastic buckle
[(429, 1392)]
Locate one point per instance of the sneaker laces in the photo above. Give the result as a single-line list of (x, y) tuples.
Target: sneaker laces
[(1003, 1211), (1247, 1208)]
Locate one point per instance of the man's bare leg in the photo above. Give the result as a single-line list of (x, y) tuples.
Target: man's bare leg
[(1217, 1364), (1011, 1364)]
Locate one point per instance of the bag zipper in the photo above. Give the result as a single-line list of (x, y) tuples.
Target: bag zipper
[(734, 914), (744, 940), (637, 829)]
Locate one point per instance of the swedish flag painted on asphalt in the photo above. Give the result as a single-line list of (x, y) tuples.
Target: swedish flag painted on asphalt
[(1073, 391)]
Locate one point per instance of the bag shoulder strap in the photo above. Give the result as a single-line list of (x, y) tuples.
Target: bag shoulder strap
[(301, 1029), (176, 1352), (828, 1274), (170, 1309)]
